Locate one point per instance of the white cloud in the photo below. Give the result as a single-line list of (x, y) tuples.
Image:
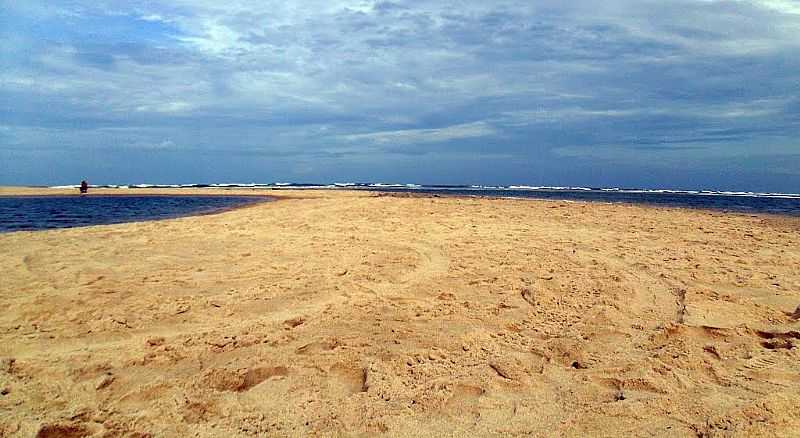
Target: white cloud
[(409, 136), (165, 107), (784, 6), (154, 18)]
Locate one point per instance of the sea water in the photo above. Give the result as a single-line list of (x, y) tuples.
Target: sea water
[(44, 212), (742, 202), (725, 201)]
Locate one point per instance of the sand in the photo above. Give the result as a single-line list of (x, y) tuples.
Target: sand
[(351, 314)]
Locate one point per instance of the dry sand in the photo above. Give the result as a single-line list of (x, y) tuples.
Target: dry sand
[(346, 313)]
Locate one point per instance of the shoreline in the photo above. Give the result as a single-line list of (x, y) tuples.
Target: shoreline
[(297, 193)]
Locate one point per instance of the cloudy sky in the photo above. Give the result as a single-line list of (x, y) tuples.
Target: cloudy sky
[(661, 93)]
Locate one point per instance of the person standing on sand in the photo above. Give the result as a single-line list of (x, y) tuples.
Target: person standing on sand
[(84, 187)]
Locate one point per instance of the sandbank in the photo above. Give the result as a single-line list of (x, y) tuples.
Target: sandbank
[(349, 313)]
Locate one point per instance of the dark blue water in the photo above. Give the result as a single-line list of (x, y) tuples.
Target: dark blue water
[(774, 204), (44, 212)]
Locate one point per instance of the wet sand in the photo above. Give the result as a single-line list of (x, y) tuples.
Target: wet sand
[(348, 313)]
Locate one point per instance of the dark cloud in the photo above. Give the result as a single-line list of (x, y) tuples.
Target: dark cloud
[(350, 89)]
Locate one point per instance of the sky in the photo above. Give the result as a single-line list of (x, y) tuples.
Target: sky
[(682, 94)]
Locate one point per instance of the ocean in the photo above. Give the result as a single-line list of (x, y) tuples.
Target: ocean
[(771, 203), (47, 212), (742, 202)]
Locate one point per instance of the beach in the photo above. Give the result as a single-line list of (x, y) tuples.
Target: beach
[(352, 313)]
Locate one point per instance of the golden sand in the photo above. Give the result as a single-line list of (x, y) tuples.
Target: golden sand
[(347, 313)]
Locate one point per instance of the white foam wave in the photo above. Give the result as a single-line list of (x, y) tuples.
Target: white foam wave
[(474, 187)]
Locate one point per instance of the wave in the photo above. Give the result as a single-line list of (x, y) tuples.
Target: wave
[(470, 188)]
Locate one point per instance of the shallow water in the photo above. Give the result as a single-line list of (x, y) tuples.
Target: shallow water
[(45, 212)]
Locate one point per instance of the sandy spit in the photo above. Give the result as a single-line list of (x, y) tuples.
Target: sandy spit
[(351, 314)]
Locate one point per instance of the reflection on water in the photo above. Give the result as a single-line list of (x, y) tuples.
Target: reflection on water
[(43, 212)]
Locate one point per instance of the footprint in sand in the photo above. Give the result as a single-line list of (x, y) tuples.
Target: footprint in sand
[(63, 430), (241, 380), (465, 398), (347, 379), (199, 411)]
